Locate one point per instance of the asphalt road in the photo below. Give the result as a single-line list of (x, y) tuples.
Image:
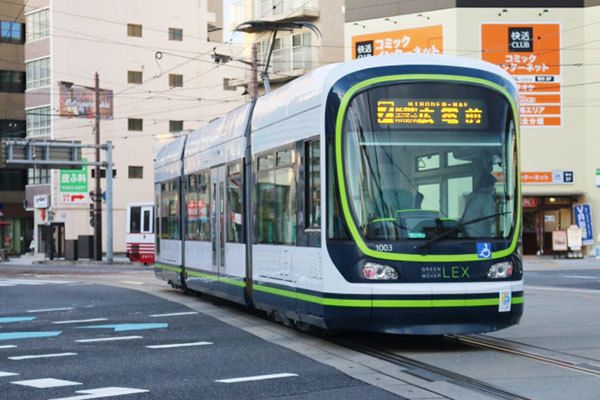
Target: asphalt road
[(588, 279), (84, 358)]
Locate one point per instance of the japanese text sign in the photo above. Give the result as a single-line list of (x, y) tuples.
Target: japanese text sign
[(428, 39), (531, 54), (583, 219)]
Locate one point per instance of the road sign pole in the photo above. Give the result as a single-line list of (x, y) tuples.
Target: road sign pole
[(109, 202), (98, 191)]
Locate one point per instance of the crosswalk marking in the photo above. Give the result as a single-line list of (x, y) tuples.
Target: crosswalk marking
[(46, 383), (256, 378), (108, 339), (51, 309), (102, 392), (79, 321), (33, 356), (173, 314), (170, 346)]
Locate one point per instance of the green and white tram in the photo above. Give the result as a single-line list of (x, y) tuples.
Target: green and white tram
[(381, 195)]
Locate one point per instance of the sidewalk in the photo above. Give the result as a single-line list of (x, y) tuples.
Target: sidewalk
[(545, 263), (35, 259)]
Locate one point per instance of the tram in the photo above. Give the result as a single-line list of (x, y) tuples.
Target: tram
[(140, 233), (378, 195)]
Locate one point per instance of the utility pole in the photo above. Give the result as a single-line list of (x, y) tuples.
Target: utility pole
[(98, 191), (253, 86)]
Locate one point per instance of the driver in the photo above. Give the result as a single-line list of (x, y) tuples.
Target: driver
[(480, 203)]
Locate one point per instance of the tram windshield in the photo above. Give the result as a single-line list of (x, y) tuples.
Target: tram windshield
[(430, 161)]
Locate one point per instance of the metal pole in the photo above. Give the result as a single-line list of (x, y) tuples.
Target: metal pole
[(254, 73), (265, 74), (109, 202), (98, 191)]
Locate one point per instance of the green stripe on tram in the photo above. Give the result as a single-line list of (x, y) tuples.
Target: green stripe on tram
[(212, 277), (167, 267)]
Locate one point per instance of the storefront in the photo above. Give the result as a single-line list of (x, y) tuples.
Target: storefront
[(541, 216)]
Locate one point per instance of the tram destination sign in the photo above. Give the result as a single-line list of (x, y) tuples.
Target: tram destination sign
[(432, 113)]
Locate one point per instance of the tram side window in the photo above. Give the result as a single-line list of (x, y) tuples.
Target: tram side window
[(235, 232), (313, 184), (276, 198), (134, 220), (197, 206), (170, 211)]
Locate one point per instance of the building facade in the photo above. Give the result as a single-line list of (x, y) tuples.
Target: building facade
[(157, 80), (294, 52), (550, 48), (15, 222)]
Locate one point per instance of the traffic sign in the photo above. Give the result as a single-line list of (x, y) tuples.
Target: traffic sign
[(74, 185)]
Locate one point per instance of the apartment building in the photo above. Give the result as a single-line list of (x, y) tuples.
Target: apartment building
[(157, 80), (550, 48), (15, 222), (294, 52)]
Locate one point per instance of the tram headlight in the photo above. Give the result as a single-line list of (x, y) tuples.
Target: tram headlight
[(501, 270), (374, 271)]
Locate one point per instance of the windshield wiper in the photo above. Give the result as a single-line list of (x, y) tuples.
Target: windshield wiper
[(457, 227)]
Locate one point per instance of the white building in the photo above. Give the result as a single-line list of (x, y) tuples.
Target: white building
[(155, 58)]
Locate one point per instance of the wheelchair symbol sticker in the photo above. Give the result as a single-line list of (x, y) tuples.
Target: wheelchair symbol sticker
[(484, 250)]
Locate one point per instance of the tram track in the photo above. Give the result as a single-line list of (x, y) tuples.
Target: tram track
[(515, 349), (430, 372)]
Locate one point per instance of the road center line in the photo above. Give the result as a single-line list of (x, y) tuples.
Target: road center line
[(78, 321), (51, 309), (174, 314), (109, 339), (33, 356), (256, 378), (102, 392), (174, 345), (4, 373), (8, 346)]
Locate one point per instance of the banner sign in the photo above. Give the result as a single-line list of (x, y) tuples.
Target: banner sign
[(531, 54), (548, 177), (74, 185), (428, 39), (80, 101), (583, 219)]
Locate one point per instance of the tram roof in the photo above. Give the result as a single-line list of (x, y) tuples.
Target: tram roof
[(311, 89), (167, 164)]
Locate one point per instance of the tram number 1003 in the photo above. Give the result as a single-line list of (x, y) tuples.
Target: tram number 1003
[(384, 247)]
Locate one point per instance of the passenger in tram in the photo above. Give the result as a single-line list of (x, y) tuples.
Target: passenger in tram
[(480, 203)]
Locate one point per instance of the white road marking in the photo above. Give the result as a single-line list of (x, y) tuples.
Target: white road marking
[(256, 378), (174, 314), (46, 383), (30, 357), (79, 321), (51, 309), (8, 346), (7, 284), (3, 374), (13, 282), (170, 346), (134, 282), (109, 339), (102, 392)]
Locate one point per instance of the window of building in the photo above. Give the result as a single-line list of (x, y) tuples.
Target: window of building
[(134, 77), (38, 25), (175, 34), (102, 172), (227, 84), (38, 73), (134, 30), (37, 176), (13, 180), (136, 172), (175, 80), (12, 32), (235, 227), (135, 124), (12, 128), (197, 206), (12, 81), (313, 184), (38, 121), (169, 210), (175, 126), (276, 198), (301, 50)]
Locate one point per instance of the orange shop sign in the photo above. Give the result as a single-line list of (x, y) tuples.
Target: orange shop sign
[(531, 54), (427, 39)]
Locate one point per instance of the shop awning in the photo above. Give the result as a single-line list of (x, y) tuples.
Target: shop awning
[(4, 223)]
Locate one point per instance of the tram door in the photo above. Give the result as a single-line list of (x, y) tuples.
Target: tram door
[(217, 217)]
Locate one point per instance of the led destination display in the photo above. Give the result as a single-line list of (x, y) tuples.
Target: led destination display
[(432, 113)]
